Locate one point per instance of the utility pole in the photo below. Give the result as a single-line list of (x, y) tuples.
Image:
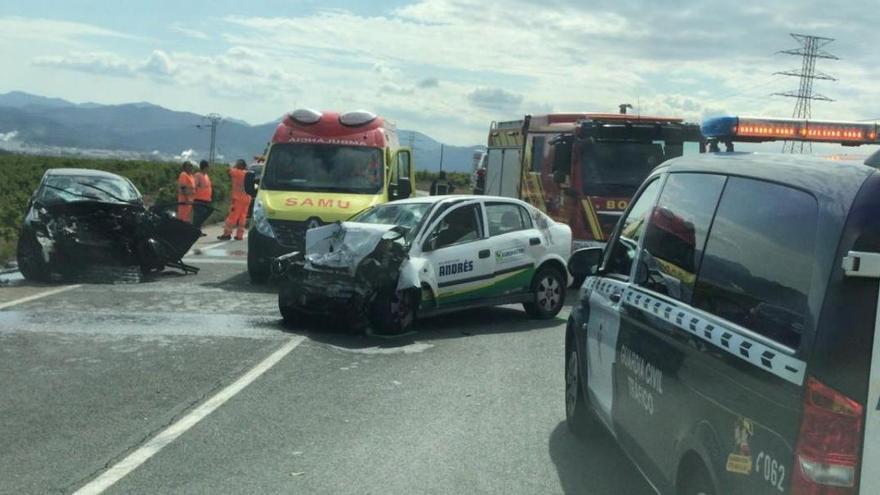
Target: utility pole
[(441, 156), (214, 121), (810, 50)]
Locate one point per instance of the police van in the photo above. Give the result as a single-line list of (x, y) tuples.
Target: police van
[(725, 335)]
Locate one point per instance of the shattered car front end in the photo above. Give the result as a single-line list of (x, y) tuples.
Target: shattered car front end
[(102, 241), (349, 271)]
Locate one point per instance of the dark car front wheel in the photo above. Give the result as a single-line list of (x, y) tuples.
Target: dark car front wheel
[(285, 305), (30, 258), (695, 481), (578, 417), (394, 312)]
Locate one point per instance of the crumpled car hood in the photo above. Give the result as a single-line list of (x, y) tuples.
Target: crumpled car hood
[(344, 245)]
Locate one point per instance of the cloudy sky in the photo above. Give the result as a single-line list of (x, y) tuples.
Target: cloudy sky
[(443, 67)]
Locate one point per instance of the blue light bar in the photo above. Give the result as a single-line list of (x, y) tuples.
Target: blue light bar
[(758, 130)]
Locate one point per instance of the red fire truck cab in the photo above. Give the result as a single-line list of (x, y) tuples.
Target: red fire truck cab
[(583, 168)]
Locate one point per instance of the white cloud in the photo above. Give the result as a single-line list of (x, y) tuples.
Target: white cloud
[(16, 29), (495, 99), (5, 137), (189, 32), (428, 82), (495, 60), (158, 64)]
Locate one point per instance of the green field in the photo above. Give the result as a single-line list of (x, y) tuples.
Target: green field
[(20, 175)]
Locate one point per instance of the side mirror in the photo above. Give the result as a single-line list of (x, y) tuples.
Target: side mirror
[(250, 180), (404, 188), (562, 147), (585, 262)]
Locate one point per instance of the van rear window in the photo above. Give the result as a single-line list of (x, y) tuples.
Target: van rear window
[(757, 268)]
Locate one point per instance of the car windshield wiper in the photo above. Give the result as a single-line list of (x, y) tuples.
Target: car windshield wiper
[(72, 193), (108, 193)]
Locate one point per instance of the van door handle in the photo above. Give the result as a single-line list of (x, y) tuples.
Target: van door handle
[(614, 297), (485, 253), (534, 241)]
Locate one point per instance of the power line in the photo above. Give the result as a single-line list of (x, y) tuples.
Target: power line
[(810, 50)]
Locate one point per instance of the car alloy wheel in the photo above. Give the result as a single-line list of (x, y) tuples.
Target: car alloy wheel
[(549, 293)]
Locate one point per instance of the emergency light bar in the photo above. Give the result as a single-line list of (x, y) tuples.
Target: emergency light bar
[(357, 118), (757, 130), (306, 116)]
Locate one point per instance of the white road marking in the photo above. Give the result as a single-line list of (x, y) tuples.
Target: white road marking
[(219, 261), (39, 296), (216, 245), (168, 435)]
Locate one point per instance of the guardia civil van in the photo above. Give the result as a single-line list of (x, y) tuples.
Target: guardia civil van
[(725, 335), (322, 167)]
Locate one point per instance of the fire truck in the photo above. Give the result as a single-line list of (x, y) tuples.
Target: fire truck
[(583, 168)]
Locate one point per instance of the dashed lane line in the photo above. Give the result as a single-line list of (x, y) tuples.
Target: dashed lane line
[(131, 462), (39, 296)]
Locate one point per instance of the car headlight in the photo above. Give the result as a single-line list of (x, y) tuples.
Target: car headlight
[(261, 223)]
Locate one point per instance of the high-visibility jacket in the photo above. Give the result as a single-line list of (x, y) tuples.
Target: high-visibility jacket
[(186, 188), (204, 190), (238, 193)]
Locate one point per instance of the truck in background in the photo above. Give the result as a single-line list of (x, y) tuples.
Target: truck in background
[(583, 168), (322, 167)]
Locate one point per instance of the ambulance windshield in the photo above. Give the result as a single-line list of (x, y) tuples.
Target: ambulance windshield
[(324, 168)]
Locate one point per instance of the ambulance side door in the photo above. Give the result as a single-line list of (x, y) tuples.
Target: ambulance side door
[(400, 184), (458, 251)]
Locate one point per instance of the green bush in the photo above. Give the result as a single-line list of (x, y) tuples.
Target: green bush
[(20, 175)]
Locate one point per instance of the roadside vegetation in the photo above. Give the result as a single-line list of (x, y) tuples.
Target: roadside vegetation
[(20, 175)]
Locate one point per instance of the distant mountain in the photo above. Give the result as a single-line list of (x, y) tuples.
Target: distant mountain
[(20, 99), (37, 124)]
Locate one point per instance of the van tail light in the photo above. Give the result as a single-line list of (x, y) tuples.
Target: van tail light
[(827, 452)]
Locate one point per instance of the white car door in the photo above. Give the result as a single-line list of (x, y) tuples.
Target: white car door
[(603, 325), (459, 254), (516, 245)]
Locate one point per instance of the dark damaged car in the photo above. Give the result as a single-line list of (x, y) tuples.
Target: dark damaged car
[(93, 225), (425, 256)]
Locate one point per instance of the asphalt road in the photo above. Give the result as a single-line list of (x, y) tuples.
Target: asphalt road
[(190, 384)]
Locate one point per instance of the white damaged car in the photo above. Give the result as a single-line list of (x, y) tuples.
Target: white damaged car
[(424, 256)]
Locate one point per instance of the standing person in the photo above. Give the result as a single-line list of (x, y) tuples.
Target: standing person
[(204, 195), (480, 187), (238, 207), (186, 190), (441, 185)]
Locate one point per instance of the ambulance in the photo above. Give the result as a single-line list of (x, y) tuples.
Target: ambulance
[(726, 334), (322, 167)]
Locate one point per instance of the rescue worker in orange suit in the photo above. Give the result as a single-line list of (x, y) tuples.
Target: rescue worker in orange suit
[(186, 190), (204, 194), (238, 207)]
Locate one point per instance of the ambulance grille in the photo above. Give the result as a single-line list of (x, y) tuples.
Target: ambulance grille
[(289, 233)]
